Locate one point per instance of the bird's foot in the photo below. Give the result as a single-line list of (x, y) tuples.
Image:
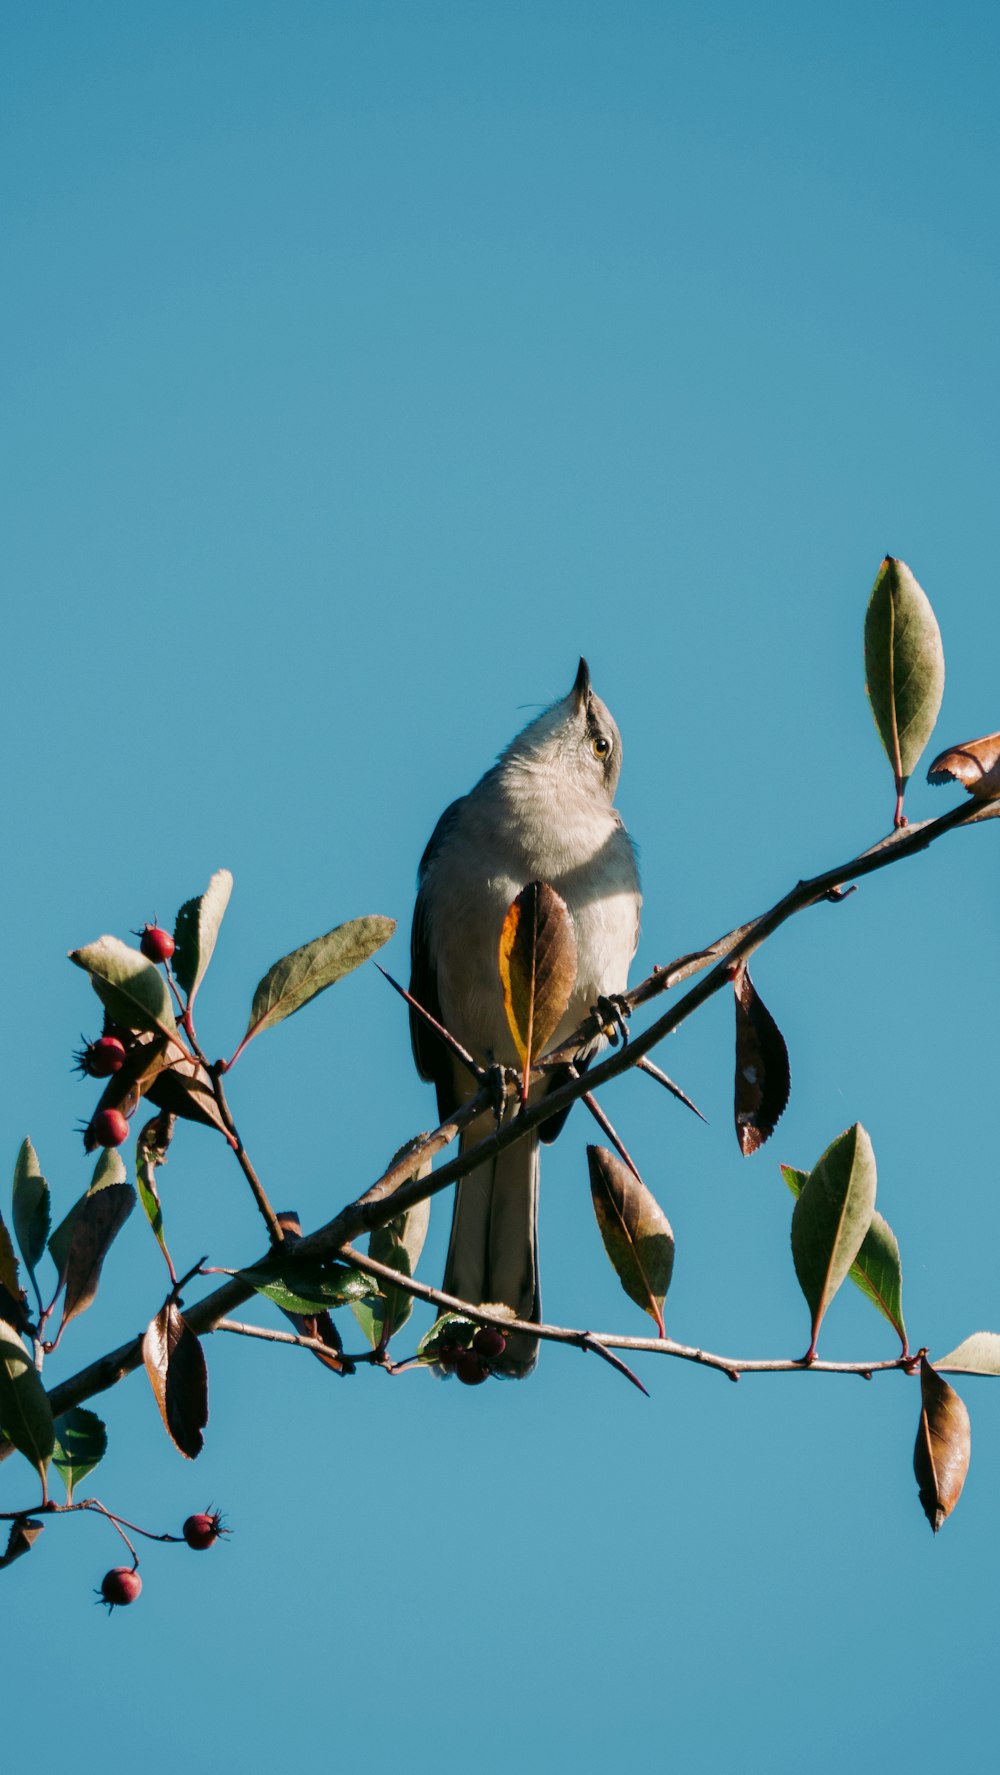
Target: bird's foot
[(498, 1082), (614, 1010)]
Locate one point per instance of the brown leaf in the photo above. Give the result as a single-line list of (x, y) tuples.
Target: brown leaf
[(943, 1447), (637, 1234), (99, 1218), (763, 1079), (538, 963), (23, 1535), (175, 1364), (144, 1059), (974, 763), (184, 1089)]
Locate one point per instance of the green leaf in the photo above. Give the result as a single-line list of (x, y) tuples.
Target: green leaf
[(636, 1233), (195, 932), (451, 1329), (904, 666), (30, 1206), (876, 1270), (830, 1220), (978, 1354), (25, 1412), (398, 1245), (131, 988), (150, 1153), (298, 977), (81, 1441), (9, 1274), (307, 1288), (110, 1168)]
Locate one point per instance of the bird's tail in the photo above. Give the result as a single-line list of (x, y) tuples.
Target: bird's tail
[(493, 1254)]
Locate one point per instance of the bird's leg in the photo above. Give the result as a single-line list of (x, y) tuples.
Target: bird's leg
[(613, 1009), (498, 1081)]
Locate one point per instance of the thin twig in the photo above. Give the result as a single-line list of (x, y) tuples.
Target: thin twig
[(478, 1072), (644, 1065)]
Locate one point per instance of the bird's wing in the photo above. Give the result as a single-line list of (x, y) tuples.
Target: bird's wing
[(432, 1059)]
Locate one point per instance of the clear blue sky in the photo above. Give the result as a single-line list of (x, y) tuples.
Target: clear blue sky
[(365, 365)]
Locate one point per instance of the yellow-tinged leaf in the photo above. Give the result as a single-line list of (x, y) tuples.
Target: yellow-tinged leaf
[(538, 963)]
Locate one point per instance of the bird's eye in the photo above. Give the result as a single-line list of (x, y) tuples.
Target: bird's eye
[(601, 745)]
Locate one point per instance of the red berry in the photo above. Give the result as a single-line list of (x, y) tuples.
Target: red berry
[(448, 1355), (156, 944), (203, 1529), (109, 1127), (489, 1342), (471, 1369), (120, 1586), (101, 1058)]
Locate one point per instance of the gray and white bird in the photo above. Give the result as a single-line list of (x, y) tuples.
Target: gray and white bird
[(543, 813)]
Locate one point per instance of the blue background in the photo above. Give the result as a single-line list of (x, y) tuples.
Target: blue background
[(365, 364)]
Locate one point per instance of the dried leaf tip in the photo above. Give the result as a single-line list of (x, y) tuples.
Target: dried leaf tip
[(973, 763)]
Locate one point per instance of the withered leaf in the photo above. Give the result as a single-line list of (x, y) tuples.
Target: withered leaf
[(943, 1446), (23, 1535), (175, 1364), (830, 1219), (184, 1089), (973, 763), (904, 667), (538, 964), (637, 1234), (109, 1169), (144, 1061), (763, 1079), (97, 1222)]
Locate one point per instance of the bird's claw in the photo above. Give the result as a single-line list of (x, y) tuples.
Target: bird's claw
[(613, 1009)]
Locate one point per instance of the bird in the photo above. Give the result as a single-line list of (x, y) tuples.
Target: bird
[(543, 812)]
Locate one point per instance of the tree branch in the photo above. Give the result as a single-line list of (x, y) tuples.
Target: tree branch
[(398, 1189)]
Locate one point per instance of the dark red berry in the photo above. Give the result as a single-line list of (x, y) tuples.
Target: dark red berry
[(471, 1369), (120, 1586), (156, 943), (448, 1355), (101, 1058), (109, 1127), (203, 1529), (489, 1342)]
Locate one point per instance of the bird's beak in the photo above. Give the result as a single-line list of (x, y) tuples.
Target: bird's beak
[(581, 687)]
